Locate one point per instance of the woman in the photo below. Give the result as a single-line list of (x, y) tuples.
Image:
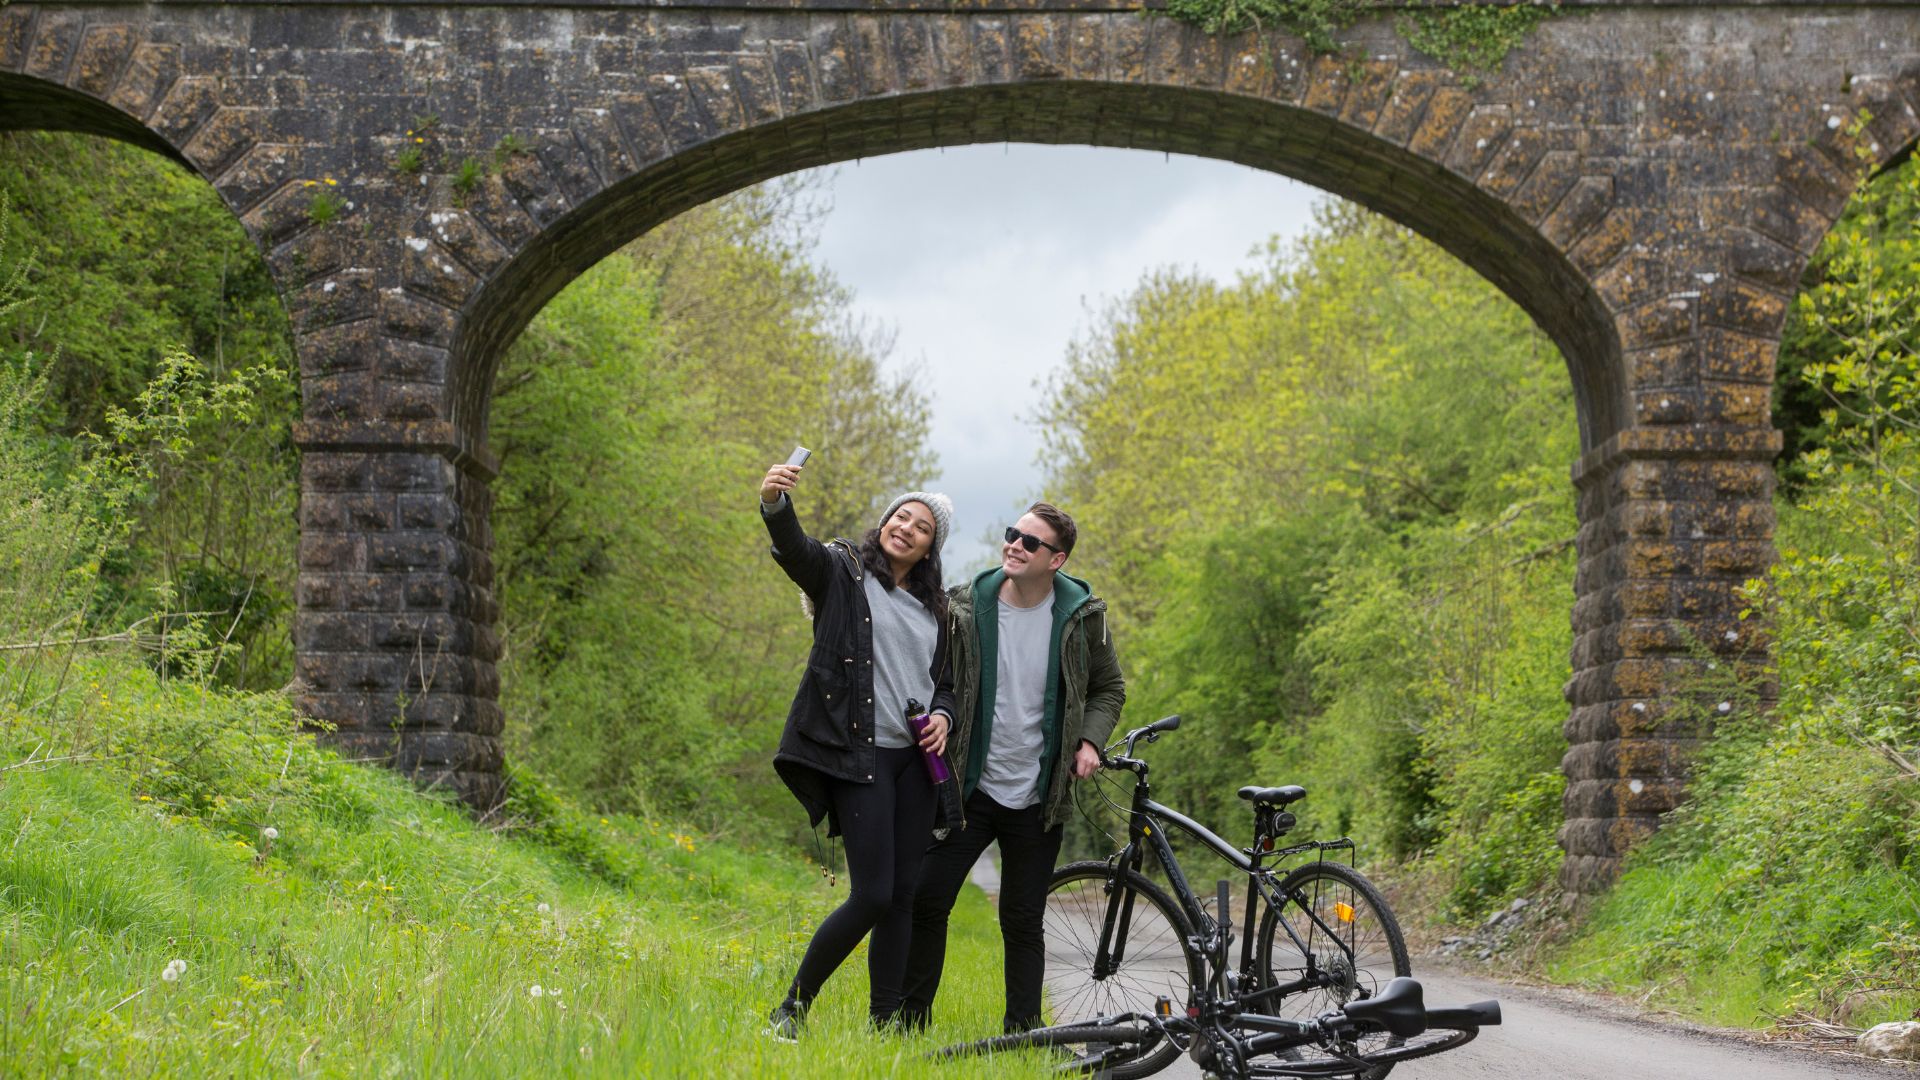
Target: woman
[(879, 640)]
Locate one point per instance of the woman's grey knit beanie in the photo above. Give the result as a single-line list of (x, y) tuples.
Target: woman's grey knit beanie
[(939, 505)]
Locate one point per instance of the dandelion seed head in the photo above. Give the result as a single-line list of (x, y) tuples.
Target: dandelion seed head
[(270, 833), (543, 907), (535, 991)]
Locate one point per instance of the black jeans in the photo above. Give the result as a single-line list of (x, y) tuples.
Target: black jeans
[(885, 825), (1027, 854)]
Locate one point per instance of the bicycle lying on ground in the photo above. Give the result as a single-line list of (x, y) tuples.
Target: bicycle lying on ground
[(1136, 977)]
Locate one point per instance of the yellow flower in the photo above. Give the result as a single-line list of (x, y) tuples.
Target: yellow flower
[(146, 798), (331, 182)]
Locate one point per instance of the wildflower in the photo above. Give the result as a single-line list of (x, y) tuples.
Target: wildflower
[(1725, 707), (535, 991), (331, 182), (173, 970), (146, 798), (543, 908), (270, 833)]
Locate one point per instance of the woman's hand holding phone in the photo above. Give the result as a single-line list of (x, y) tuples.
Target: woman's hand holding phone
[(780, 480)]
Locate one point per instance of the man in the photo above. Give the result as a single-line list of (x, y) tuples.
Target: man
[(1037, 691)]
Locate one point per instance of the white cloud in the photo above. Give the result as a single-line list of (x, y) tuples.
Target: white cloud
[(987, 259)]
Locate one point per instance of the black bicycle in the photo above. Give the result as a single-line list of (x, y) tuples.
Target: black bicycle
[(1136, 977)]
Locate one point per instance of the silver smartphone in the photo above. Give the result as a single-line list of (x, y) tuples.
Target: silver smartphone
[(799, 456)]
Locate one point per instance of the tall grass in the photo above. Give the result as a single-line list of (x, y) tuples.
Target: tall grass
[(376, 930)]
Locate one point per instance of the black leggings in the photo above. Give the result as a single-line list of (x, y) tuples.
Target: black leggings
[(886, 826)]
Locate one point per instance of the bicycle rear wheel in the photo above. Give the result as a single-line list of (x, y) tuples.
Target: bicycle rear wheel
[(1345, 945), (1090, 1046), (1084, 983)]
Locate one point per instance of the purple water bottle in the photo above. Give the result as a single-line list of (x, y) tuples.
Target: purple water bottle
[(917, 719)]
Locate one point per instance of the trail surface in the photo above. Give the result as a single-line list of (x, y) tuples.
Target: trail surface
[(1559, 1035), (1551, 1034)]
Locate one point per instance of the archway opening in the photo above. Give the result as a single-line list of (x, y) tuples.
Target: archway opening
[(1538, 538), (147, 331)]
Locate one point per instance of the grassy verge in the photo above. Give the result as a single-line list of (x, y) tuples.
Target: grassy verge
[(1794, 893), (375, 930)]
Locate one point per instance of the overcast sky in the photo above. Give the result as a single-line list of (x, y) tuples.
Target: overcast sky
[(986, 260)]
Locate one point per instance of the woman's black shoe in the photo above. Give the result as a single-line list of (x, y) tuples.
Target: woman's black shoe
[(784, 1023)]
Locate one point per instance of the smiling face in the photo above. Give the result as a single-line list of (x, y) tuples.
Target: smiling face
[(1038, 564), (907, 536)]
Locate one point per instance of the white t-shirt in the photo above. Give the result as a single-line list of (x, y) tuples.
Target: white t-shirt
[(1011, 774)]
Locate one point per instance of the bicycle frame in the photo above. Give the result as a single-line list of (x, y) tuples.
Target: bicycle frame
[(1146, 825)]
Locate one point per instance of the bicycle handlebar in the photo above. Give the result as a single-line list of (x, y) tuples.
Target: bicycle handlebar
[(1150, 733)]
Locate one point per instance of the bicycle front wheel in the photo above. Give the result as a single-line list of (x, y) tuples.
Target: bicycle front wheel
[(1344, 945), (1115, 944)]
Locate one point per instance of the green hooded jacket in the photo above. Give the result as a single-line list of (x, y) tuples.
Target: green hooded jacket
[(1084, 687)]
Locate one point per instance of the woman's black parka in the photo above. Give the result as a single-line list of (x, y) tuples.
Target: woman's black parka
[(830, 726)]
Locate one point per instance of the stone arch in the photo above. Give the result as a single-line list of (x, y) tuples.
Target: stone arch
[(1647, 180), (1321, 149)]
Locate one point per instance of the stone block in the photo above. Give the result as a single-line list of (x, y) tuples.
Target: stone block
[(410, 551), (833, 60), (1657, 323), (187, 105), (411, 401), (1446, 112), (540, 194), (713, 93), (1482, 136), (1407, 104), (951, 41), (16, 32), (346, 672), (1128, 47), (433, 512), (55, 41), (104, 51), (1580, 209), (411, 472)]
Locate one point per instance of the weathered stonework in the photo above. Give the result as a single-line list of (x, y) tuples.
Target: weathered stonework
[(1647, 180)]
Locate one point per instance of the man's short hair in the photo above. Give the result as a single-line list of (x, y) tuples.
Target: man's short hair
[(1059, 520)]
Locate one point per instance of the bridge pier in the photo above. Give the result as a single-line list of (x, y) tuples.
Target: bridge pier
[(1672, 523), (394, 632)]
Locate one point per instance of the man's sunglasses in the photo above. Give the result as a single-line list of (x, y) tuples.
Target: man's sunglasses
[(1029, 541)]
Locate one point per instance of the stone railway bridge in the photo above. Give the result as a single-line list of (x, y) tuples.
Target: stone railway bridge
[(1646, 179)]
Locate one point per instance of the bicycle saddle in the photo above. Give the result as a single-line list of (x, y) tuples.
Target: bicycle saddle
[(1274, 796), (1400, 1009)]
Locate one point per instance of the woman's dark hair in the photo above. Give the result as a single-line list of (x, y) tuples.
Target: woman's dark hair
[(924, 582)]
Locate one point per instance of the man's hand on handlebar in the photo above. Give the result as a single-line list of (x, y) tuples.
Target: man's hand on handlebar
[(1086, 760)]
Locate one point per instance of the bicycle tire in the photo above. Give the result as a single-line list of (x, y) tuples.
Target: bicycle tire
[(1365, 951), (1066, 1035), (1434, 1041), (1155, 961)]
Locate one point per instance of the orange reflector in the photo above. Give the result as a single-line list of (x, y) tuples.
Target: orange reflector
[(1344, 912)]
